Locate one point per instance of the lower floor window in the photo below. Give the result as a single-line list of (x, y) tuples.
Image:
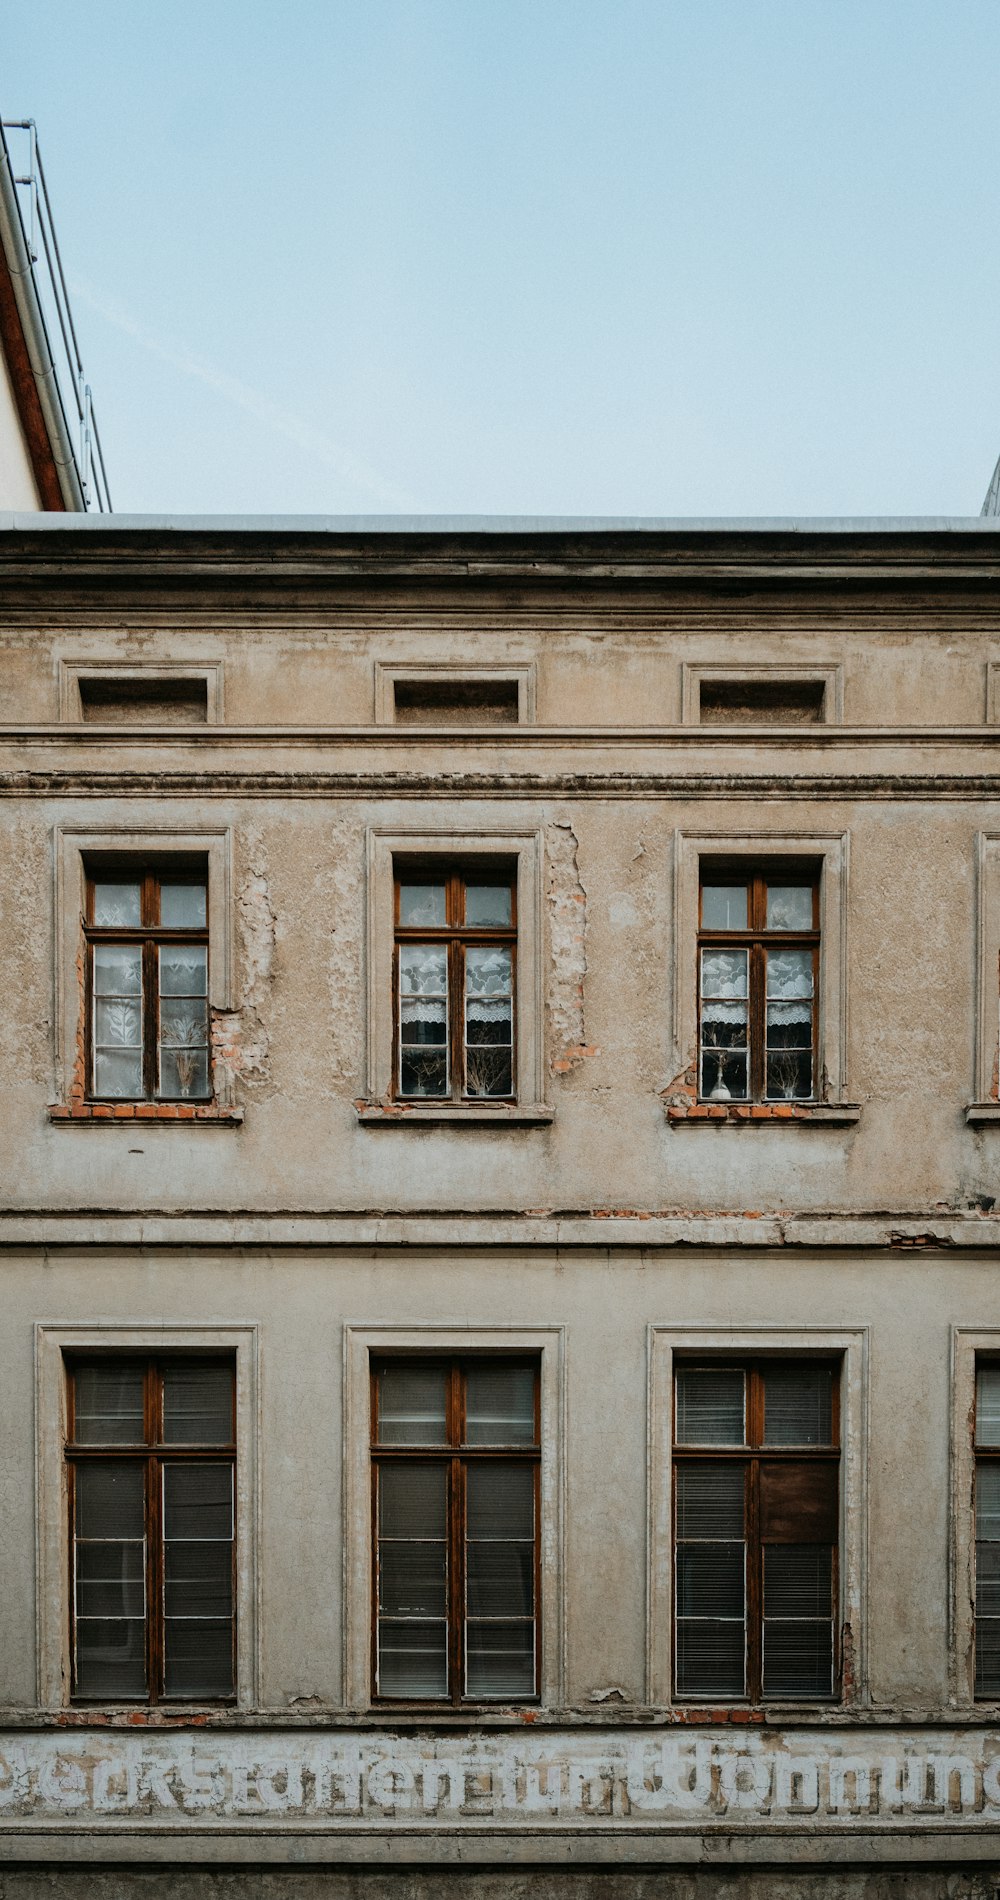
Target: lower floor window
[(988, 1530), (756, 1482), (455, 1475), (151, 1470)]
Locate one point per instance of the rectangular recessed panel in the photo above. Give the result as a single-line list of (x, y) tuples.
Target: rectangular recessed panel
[(710, 1405)]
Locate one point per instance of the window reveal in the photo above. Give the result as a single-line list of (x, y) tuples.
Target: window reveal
[(455, 959), (756, 1465), (988, 1530), (455, 1475), (147, 984), (758, 962), (151, 1459)]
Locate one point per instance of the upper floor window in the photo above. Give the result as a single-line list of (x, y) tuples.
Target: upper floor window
[(454, 982), (756, 1484), (758, 963), (151, 1466), (456, 1472), (988, 1530), (146, 929)]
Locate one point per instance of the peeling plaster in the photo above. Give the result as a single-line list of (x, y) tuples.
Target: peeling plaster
[(568, 949), (240, 1037)]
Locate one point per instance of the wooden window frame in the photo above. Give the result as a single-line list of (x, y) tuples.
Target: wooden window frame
[(457, 936), (152, 1455), (457, 1456), (151, 874), (753, 1454), (981, 1454), (757, 939)]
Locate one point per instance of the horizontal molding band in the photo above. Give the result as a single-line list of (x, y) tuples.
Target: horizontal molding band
[(685, 786)]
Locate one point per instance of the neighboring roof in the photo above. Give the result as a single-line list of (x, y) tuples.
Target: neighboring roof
[(991, 506), (522, 525)]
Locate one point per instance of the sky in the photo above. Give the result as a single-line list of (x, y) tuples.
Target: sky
[(573, 257)]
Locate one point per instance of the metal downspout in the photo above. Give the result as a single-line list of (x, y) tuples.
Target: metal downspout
[(36, 338)]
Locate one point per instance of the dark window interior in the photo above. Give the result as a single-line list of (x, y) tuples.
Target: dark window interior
[(107, 700), (747, 702), (444, 702)]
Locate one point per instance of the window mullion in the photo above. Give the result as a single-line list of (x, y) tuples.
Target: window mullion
[(150, 1019), (754, 1582), (456, 1017), (758, 1019)]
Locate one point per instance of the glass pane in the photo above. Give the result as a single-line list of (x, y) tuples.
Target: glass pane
[(500, 1579), (117, 1025), (988, 1500), (710, 1406), (711, 1657), (108, 1405), (411, 1500), (724, 973), (421, 905), (197, 1404), (789, 1025), (117, 906), (424, 1024), (798, 1658), (183, 1023), (988, 1405), (798, 1580), (110, 1580), (789, 907), (198, 1579), (500, 1659), (413, 1578), (487, 974), (411, 1405), (110, 1658), (723, 1077), (487, 904), (109, 1501), (423, 969), (789, 1076), (183, 969), (798, 1405), (710, 1580), (500, 1405), (724, 1025), (723, 906), (413, 1658), (500, 1501), (422, 1073), (184, 1074), (789, 974), (198, 1501), (118, 1076), (117, 969), (183, 906), (988, 1656), (709, 1500), (198, 1658), (987, 1579)]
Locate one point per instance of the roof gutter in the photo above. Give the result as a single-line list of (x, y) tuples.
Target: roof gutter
[(36, 340)]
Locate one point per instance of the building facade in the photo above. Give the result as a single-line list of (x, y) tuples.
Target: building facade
[(500, 1362)]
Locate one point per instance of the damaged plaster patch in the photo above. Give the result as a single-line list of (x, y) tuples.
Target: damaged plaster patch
[(568, 949), (240, 1036), (25, 1034)]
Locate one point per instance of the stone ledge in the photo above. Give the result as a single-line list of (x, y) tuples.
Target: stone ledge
[(978, 1114), (149, 1114), (504, 1115), (757, 1114)]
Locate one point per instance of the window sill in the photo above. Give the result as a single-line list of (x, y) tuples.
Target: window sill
[(406, 1115), (757, 1114), (979, 1114), (157, 1114)]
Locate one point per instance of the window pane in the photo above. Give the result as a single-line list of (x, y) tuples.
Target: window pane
[(987, 1579), (489, 1020), (500, 1579), (197, 1404), (110, 1580), (413, 1578), (111, 1658), (789, 974), (798, 1620), (197, 1658), (500, 1405), (413, 1658), (500, 1501), (423, 1027), (988, 1656), (198, 1501), (988, 1500), (117, 969), (789, 907), (988, 1405), (183, 969), (487, 904), (500, 1659), (411, 1500), (183, 1048), (184, 1075), (710, 1406), (183, 906), (724, 972), (117, 1025), (798, 1580), (117, 906), (198, 1579), (411, 1405), (118, 1077), (711, 1580), (421, 905), (798, 1405), (723, 906), (110, 1501), (798, 1659), (723, 1076), (108, 1405), (710, 1500), (711, 1657)]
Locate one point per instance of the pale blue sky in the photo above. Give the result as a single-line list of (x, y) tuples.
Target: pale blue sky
[(531, 256)]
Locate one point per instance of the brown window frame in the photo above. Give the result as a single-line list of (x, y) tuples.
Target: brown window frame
[(756, 875), (754, 1454), (150, 934), (153, 1453), (457, 1456), (981, 1455), (457, 936)]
